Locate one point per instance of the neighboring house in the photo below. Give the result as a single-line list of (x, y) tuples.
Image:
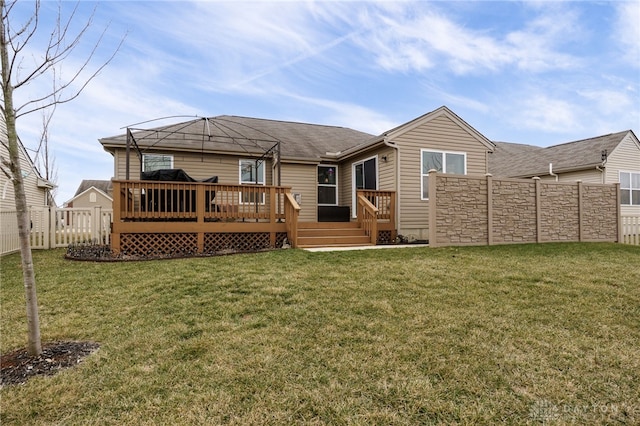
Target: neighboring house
[(612, 158), (37, 188), (93, 193), (324, 165)]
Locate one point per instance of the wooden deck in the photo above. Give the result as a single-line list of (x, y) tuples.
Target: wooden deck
[(151, 217)]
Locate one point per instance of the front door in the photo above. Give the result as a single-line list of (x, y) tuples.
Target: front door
[(365, 176)]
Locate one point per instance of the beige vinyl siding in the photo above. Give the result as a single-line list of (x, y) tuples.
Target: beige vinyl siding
[(626, 158), (587, 176), (302, 178), (442, 134), (197, 165), (84, 200), (35, 196), (386, 173)]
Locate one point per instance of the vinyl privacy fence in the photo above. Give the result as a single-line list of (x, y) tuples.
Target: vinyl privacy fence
[(478, 210), (631, 230), (53, 227)]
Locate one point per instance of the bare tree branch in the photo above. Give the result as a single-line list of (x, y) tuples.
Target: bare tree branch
[(61, 45)]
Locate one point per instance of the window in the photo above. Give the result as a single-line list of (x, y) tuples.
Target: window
[(630, 188), (151, 162), (327, 185), (252, 173), (92, 197), (444, 162)]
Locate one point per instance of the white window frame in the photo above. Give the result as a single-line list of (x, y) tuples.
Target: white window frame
[(335, 185), (630, 188), (261, 179), (444, 165), (156, 155)]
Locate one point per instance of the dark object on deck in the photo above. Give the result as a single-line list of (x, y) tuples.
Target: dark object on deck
[(174, 200), (334, 214)]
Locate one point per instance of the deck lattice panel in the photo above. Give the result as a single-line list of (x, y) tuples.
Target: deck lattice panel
[(159, 244), (384, 237)]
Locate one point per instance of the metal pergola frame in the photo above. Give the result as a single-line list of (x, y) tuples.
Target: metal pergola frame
[(223, 125)]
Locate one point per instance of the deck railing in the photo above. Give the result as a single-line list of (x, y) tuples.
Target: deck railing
[(197, 201), (197, 216), (384, 201), (292, 211), (367, 217)]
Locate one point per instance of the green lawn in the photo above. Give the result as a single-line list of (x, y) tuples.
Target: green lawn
[(481, 335)]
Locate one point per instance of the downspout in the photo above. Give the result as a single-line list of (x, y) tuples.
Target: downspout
[(397, 178), (601, 170), (551, 171), (603, 156)]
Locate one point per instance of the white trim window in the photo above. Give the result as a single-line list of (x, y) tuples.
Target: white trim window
[(629, 188), (151, 162), (251, 173), (327, 185), (442, 161)]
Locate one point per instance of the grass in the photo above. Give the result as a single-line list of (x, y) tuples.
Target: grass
[(481, 335)]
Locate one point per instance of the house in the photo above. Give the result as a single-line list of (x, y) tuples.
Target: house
[(324, 166), (254, 182), (612, 158), (37, 189), (93, 193)]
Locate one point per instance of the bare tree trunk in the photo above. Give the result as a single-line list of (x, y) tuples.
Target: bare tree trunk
[(60, 45), (34, 345)]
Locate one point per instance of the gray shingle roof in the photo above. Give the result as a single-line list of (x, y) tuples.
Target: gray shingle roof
[(103, 185), (516, 160), (235, 134)]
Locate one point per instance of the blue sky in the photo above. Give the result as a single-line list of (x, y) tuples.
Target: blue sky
[(535, 72)]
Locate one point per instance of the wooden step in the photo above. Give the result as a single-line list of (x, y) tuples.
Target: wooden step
[(331, 234), (337, 232), (327, 225), (333, 241)]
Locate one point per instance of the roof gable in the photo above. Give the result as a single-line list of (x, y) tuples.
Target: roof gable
[(104, 186), (630, 136), (442, 111), (88, 190)]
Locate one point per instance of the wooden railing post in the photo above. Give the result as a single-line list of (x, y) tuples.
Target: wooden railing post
[(291, 212), (368, 217), (200, 200), (115, 218), (272, 215)]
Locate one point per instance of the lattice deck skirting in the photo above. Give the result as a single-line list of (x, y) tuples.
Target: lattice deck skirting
[(384, 237), (184, 244), (159, 244)]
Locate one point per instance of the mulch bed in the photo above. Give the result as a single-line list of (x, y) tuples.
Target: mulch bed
[(18, 366)]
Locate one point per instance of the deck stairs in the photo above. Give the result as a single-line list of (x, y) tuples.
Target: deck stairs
[(331, 234)]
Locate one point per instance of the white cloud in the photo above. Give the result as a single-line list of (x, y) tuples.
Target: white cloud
[(547, 114), (627, 31), (418, 37)]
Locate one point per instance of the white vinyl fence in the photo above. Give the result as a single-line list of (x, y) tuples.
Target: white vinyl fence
[(53, 227), (631, 230)]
